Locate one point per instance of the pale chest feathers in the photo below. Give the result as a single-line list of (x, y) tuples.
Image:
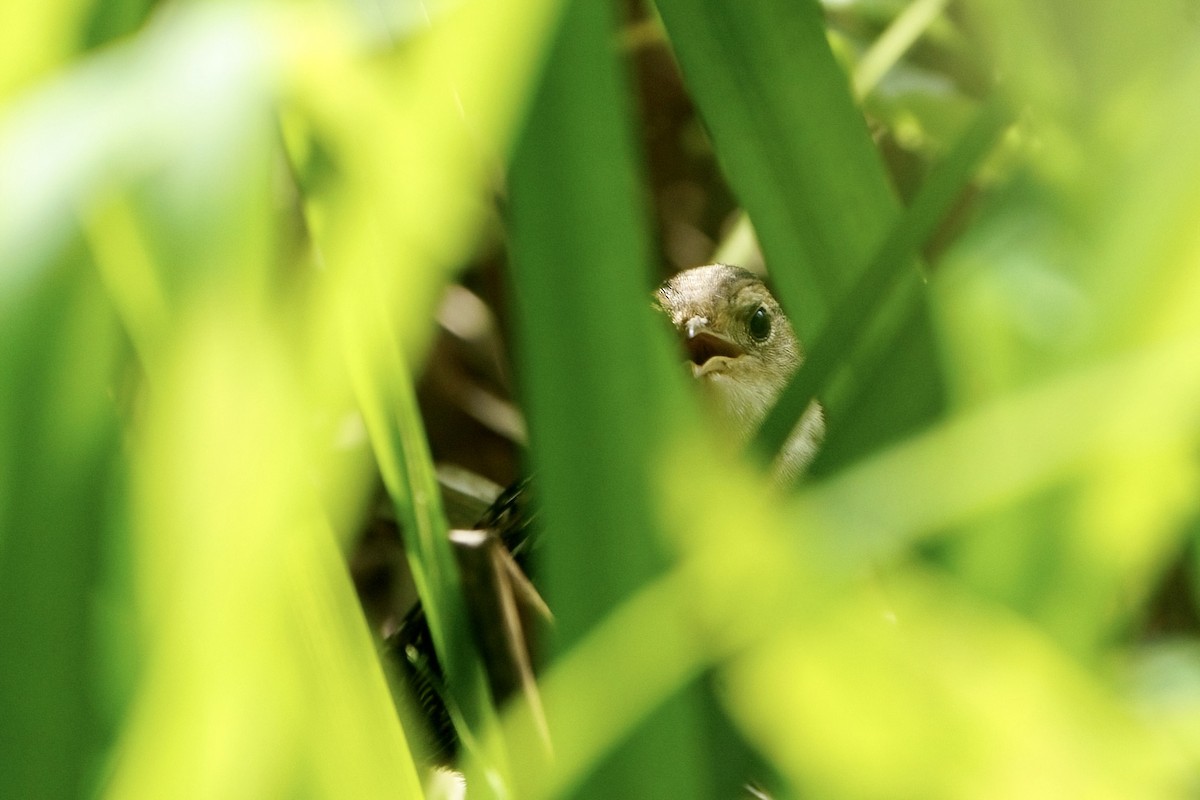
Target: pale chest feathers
[(744, 405), (743, 399)]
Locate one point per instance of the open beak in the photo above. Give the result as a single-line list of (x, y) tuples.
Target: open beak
[(704, 344)]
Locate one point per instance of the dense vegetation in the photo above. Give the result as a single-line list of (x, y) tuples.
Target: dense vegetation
[(225, 234)]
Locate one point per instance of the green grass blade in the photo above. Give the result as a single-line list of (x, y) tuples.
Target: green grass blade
[(388, 402), (792, 143), (891, 45), (797, 153), (592, 378), (892, 264), (61, 472), (593, 370)]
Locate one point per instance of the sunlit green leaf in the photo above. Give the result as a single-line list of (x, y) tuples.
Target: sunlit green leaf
[(225, 233)]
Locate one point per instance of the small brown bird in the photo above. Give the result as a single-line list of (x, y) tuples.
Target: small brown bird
[(742, 349)]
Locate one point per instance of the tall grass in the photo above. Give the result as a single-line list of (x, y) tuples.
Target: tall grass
[(224, 231)]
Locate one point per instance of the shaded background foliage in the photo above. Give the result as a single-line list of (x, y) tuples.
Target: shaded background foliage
[(262, 266)]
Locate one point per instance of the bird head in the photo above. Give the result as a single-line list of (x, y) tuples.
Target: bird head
[(738, 341)]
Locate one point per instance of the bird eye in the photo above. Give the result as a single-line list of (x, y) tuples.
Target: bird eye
[(760, 324)]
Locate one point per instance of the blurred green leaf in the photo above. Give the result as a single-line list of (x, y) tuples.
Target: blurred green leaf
[(60, 477), (172, 165), (985, 706), (35, 40), (258, 671), (392, 245), (1075, 265)]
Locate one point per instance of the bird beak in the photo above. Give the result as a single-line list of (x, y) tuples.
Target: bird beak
[(704, 344)]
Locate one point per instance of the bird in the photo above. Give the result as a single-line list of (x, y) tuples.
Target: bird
[(742, 349)]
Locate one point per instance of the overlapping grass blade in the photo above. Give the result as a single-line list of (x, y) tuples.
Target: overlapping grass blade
[(893, 263), (388, 403), (792, 143), (797, 153), (593, 372), (393, 244)]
